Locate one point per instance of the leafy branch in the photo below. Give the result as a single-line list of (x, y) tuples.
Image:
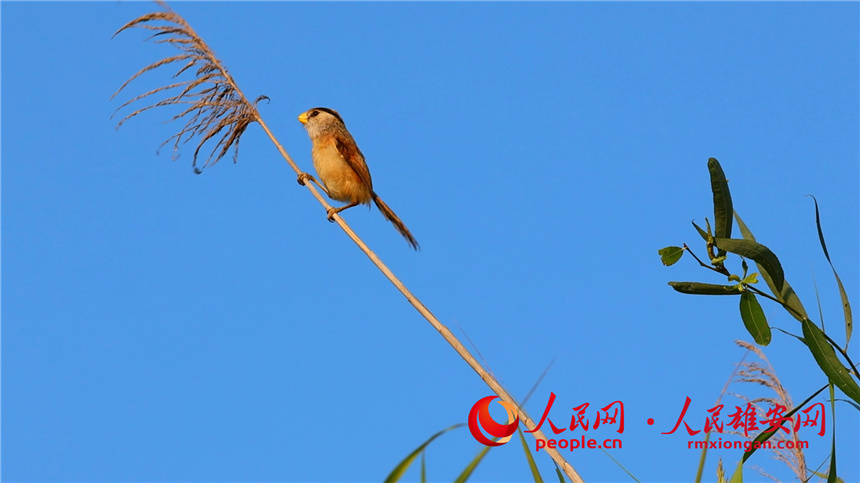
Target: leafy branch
[(719, 244)]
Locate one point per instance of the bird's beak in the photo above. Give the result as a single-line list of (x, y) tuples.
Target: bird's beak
[(303, 118)]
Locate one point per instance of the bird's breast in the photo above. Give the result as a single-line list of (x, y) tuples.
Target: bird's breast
[(341, 181)]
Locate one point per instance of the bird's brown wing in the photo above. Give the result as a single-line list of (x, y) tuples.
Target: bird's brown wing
[(350, 152)]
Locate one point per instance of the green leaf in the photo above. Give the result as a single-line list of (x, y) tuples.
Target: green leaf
[(754, 319), (751, 279), (619, 465), (404, 465), (670, 255), (722, 202), (698, 288), (826, 358), (530, 458), (846, 307), (766, 435), (745, 232), (799, 339), (786, 295), (738, 475), (767, 261), (831, 474), (702, 233), (700, 470), (856, 406), (470, 468)]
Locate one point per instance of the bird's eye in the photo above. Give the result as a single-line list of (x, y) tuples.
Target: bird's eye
[(314, 113)]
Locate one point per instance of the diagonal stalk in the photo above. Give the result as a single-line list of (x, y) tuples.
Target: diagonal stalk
[(228, 109), (439, 326)]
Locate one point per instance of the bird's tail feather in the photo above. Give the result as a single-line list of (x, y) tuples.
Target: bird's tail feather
[(390, 216)]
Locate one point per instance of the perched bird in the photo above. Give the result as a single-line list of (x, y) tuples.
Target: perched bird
[(341, 167)]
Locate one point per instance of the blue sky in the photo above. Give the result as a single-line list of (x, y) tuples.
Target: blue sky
[(159, 325)]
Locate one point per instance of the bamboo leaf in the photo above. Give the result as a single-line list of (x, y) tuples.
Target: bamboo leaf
[(698, 288), (754, 319), (722, 202), (767, 261), (826, 358), (670, 255)]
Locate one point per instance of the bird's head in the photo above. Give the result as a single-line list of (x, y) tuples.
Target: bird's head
[(321, 119)]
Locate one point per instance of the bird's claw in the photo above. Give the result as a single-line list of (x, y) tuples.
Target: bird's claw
[(303, 177), (329, 214)]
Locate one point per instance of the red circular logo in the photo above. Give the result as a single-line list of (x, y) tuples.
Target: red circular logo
[(481, 412)]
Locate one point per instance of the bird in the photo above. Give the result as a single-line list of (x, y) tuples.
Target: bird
[(341, 167)]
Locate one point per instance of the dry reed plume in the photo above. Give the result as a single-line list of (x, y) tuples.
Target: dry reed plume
[(215, 103), (752, 372)]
